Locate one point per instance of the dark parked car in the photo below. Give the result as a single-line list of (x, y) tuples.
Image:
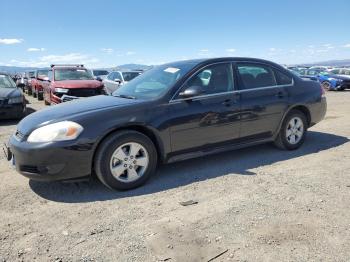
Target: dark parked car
[(12, 102), (172, 112)]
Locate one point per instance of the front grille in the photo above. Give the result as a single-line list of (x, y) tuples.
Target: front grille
[(85, 92), (3, 101), (30, 169)]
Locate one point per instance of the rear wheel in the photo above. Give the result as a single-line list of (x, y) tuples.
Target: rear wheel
[(125, 160), (293, 131)]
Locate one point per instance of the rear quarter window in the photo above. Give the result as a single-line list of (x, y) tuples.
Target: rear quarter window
[(282, 78)]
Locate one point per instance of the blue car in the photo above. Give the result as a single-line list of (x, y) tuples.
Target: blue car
[(333, 80)]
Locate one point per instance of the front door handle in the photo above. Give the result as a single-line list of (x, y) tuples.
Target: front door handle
[(227, 102)]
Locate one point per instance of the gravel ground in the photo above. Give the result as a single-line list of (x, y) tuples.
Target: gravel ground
[(255, 204)]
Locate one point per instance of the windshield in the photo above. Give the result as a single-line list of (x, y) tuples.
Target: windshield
[(100, 72), (155, 82), (128, 76), (6, 82), (72, 74), (43, 73)]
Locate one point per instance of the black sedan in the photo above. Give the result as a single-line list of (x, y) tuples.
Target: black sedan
[(172, 112), (12, 101)]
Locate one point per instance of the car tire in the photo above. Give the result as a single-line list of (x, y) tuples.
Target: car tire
[(326, 85), (46, 102), (39, 96), (293, 131), (115, 153)]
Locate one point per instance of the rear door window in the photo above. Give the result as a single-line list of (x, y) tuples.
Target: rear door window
[(256, 75)]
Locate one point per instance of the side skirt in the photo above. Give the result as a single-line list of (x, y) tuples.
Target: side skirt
[(217, 150)]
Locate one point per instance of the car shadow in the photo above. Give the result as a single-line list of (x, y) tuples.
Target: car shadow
[(238, 162)]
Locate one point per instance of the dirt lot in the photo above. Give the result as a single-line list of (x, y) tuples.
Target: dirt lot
[(260, 204)]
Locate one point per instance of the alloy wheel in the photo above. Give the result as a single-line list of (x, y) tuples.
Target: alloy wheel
[(326, 85), (129, 162), (295, 130)]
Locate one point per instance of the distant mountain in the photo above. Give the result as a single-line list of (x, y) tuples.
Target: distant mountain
[(132, 67), (343, 62), (16, 69)]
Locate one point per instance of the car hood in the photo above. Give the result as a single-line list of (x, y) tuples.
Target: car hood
[(8, 92), (69, 110), (78, 84)]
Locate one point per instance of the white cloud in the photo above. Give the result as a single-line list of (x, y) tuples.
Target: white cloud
[(130, 53), (71, 58), (34, 49), (107, 50), (204, 53), (10, 41), (230, 50), (346, 46), (272, 49)]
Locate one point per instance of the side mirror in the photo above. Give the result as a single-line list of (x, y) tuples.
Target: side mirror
[(192, 91), (117, 80), (98, 78)]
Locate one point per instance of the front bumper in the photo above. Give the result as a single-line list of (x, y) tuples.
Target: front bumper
[(9, 111), (51, 161)]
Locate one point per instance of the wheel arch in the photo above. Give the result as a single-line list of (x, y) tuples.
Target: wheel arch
[(151, 134), (302, 108)]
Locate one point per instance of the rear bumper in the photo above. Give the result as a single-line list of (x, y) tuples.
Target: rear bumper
[(51, 161), (318, 111)]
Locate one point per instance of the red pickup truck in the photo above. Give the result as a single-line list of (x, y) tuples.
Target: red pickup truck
[(69, 82), (40, 76)]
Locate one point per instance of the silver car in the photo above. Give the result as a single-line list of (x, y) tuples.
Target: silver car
[(118, 78)]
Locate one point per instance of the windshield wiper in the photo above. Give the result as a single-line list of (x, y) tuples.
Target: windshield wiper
[(125, 96)]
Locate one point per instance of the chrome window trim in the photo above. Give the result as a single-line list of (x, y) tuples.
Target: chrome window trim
[(197, 71)]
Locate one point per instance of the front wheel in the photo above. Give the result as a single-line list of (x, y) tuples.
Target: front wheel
[(293, 131), (326, 85), (125, 160)]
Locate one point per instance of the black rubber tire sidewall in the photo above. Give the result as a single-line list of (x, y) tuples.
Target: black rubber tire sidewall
[(106, 149)]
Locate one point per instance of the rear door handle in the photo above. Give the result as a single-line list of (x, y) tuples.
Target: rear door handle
[(280, 94)]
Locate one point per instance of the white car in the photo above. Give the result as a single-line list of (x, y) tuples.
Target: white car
[(118, 78)]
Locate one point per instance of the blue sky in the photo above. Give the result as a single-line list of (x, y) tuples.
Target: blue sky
[(108, 33)]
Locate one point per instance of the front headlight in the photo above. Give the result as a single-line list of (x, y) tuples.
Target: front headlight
[(61, 131), (15, 100), (61, 90), (335, 79)]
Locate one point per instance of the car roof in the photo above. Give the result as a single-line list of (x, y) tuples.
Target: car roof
[(226, 59)]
